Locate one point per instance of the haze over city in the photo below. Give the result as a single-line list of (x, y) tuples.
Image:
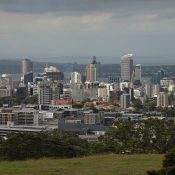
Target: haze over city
[(81, 28)]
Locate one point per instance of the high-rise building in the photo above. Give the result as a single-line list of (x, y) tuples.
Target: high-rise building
[(125, 101), (158, 76), (75, 77), (127, 67), (53, 73), (27, 66), (162, 99), (44, 94), (28, 78), (94, 61), (91, 72), (155, 89), (138, 72), (148, 90), (27, 71), (48, 92)]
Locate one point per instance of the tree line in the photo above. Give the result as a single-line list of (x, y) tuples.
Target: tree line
[(21, 146), (149, 136)]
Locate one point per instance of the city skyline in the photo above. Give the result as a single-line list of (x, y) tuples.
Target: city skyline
[(108, 29)]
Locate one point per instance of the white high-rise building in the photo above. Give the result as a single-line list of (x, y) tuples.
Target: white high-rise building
[(75, 77), (127, 67), (138, 72), (155, 89)]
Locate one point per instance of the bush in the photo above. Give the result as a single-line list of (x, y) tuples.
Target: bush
[(168, 165), (20, 146)]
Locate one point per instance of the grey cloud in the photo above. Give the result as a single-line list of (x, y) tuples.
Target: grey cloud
[(44, 6), (82, 6)]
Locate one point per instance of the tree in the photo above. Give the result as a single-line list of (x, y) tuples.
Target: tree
[(137, 104), (77, 105), (168, 165), (149, 136), (21, 146), (31, 99), (149, 106)]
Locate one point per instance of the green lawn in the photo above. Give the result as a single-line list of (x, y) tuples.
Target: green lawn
[(92, 165)]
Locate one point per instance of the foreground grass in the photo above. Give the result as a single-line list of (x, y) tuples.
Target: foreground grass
[(92, 165)]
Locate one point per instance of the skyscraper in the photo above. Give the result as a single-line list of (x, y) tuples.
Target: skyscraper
[(27, 71), (75, 77), (125, 101), (162, 99), (91, 72), (127, 67), (138, 72), (27, 66), (148, 90)]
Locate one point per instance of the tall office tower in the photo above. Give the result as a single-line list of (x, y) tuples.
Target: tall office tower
[(27, 71), (148, 90), (138, 72), (91, 72), (125, 101), (75, 77), (162, 99), (27, 66), (127, 67)]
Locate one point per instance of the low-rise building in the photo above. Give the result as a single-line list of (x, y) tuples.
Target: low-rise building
[(91, 118)]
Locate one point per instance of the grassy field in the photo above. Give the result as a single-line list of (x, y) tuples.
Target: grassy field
[(92, 165)]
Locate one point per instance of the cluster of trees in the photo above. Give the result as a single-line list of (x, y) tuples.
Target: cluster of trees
[(18, 99), (149, 136), (168, 165), (167, 112), (151, 106), (148, 106), (21, 146)]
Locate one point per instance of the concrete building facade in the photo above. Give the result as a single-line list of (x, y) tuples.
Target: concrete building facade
[(27, 66), (91, 74), (126, 67), (125, 101), (162, 100)]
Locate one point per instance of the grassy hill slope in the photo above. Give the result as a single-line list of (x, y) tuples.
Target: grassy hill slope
[(92, 165)]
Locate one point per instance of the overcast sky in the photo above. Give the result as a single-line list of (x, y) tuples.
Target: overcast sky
[(53, 28)]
